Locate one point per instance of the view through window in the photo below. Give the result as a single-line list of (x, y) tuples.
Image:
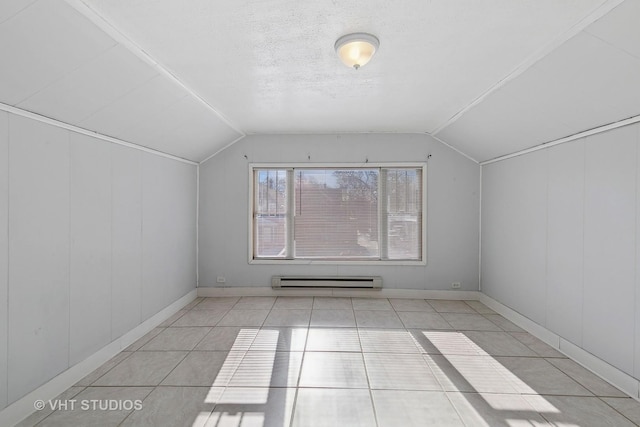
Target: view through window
[(373, 213)]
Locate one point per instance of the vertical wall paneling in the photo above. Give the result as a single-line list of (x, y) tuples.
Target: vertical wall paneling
[(592, 241), (636, 311), (168, 232), (609, 246), (38, 342), (448, 174), (492, 240), (90, 280), (71, 244), (126, 239), (206, 228), (4, 251), (565, 241), (514, 199)]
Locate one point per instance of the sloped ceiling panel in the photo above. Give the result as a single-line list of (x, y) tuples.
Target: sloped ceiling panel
[(9, 8), (59, 64), (620, 27), (187, 122), (41, 44), (92, 86), (147, 100), (591, 80)]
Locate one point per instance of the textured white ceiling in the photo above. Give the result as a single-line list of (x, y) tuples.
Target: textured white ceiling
[(270, 65), (189, 77)]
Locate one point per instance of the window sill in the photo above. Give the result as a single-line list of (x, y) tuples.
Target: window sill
[(335, 262)]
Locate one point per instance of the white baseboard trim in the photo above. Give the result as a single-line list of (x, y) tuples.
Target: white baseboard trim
[(525, 323), (243, 291), (615, 376), (23, 407), (599, 367)]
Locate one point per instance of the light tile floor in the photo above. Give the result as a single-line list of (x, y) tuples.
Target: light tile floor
[(302, 361)]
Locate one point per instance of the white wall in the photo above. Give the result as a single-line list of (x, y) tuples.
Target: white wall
[(560, 241), (4, 251), (452, 208), (87, 231)]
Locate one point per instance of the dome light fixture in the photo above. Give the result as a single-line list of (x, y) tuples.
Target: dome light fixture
[(356, 49)]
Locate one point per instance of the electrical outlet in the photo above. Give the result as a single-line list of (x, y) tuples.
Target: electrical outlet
[(455, 285), (221, 279)]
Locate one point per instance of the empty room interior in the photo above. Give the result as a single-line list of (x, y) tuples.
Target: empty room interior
[(319, 213)]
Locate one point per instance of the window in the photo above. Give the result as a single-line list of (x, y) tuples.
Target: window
[(338, 213)]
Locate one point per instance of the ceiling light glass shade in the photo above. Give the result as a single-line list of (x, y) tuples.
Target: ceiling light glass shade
[(356, 49)]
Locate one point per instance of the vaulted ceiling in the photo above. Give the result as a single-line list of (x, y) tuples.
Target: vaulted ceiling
[(189, 78)]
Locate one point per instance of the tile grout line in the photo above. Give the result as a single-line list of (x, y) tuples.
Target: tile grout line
[(448, 394), (133, 410), (188, 353), (615, 409), (56, 410), (366, 372), (304, 352), (155, 387)]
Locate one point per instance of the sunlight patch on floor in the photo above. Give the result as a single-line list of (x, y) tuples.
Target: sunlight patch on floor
[(483, 373)]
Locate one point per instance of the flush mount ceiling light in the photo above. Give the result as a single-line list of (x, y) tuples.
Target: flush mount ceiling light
[(356, 49)]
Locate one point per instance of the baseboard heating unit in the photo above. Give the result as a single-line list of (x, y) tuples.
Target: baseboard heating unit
[(365, 282)]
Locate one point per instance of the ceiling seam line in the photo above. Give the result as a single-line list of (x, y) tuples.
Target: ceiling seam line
[(350, 133), (18, 12), (454, 149), (57, 123), (336, 132), (530, 61), (120, 98), (610, 44), (583, 134), (99, 21), (64, 76), (222, 149)]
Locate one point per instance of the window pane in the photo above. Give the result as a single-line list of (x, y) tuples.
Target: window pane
[(336, 213), (333, 213), (404, 213), (270, 216)]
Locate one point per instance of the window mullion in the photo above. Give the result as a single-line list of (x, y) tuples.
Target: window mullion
[(290, 216), (255, 207), (383, 222)]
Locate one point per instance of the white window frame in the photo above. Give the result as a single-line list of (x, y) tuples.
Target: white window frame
[(288, 261)]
